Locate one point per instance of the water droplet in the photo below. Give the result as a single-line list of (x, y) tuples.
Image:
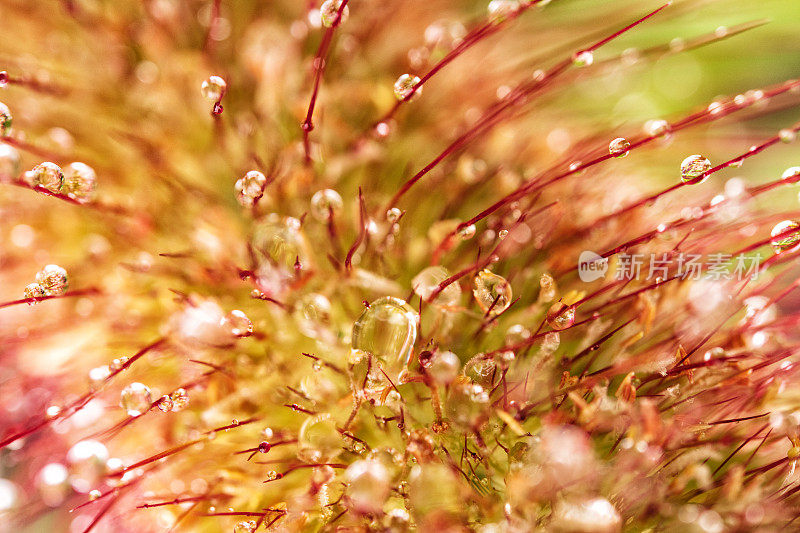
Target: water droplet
[(52, 484), (312, 315), (239, 324), (502, 234), (48, 175), (245, 526), (393, 215), (180, 399), (329, 13), (677, 44), (787, 135), (80, 181), (595, 514), (693, 167), (583, 59), (87, 464), (94, 494), (264, 447), (250, 187), (387, 329), (3, 79), (480, 369), (135, 399), (550, 343), (5, 120), (368, 486), (325, 203), (280, 242), (319, 440), (560, 316), (405, 85), (53, 280), (492, 292), (630, 56), (272, 475), (213, 88), (788, 240), (467, 232), (517, 334), (165, 404), (791, 175), (505, 358), (9, 162), (619, 147), (500, 10), (656, 127), (466, 402), (443, 367), (118, 363), (547, 288), (383, 129), (427, 282), (715, 108), (34, 290)]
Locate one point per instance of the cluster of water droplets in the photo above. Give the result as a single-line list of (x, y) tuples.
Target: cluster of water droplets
[(77, 181), (250, 188), (52, 280), (176, 401)]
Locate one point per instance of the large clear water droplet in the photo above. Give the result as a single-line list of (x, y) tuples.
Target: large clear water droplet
[(387, 330)]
